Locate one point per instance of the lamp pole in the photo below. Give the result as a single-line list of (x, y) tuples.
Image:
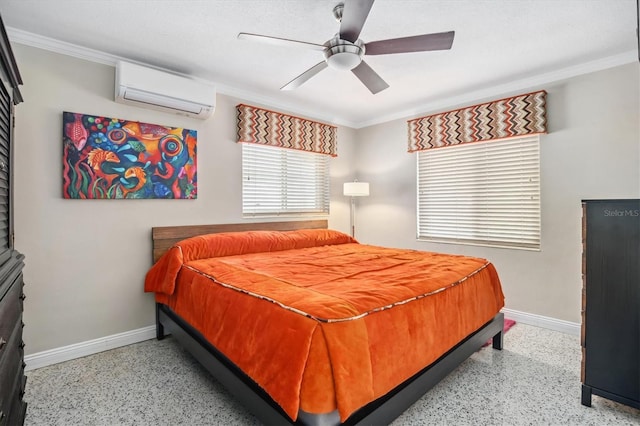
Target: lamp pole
[(353, 216)]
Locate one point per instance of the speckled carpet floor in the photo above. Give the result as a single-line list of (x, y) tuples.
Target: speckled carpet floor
[(535, 380)]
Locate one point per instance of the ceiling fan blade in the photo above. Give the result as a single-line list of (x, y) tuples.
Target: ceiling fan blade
[(420, 43), (304, 77), (354, 16), (277, 41), (369, 78)]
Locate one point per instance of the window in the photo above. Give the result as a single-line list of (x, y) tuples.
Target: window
[(280, 181), (482, 193)]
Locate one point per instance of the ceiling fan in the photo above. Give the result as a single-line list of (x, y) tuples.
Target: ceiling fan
[(345, 50)]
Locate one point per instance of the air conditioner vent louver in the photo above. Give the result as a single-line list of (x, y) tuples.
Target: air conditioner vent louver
[(150, 88)]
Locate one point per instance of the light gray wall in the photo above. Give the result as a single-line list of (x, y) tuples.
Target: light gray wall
[(86, 259), (592, 151)]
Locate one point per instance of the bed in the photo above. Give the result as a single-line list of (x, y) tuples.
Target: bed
[(304, 325)]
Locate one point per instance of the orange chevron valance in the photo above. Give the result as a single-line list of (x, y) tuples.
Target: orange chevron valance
[(515, 116), (261, 126)]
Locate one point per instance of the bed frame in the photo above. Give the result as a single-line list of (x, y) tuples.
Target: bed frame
[(381, 411)]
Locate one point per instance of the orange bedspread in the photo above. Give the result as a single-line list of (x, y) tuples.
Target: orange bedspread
[(319, 321)]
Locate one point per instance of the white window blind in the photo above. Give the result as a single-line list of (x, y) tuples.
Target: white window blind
[(484, 193), (280, 181)]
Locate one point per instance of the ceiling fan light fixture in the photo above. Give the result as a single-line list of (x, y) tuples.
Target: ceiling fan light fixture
[(345, 51), (343, 55)]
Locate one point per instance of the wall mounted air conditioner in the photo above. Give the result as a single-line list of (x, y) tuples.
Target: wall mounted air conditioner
[(150, 88)]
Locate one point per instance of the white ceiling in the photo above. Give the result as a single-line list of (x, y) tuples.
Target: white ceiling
[(499, 46)]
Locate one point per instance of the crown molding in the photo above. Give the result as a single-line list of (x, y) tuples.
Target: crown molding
[(62, 47), (290, 107), (509, 87), (70, 49), (92, 55)]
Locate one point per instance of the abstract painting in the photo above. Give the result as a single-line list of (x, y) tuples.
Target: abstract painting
[(113, 158)]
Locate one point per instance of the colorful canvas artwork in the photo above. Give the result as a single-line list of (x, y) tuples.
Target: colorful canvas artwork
[(113, 158)]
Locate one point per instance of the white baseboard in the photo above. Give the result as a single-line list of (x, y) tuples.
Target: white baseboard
[(543, 322), (90, 347)]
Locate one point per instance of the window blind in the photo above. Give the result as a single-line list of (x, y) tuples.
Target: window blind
[(484, 193), (279, 181)]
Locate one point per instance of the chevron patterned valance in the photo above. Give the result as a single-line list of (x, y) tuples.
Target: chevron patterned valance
[(516, 116), (261, 126)]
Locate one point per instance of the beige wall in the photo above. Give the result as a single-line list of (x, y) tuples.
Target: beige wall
[(86, 259), (592, 151)]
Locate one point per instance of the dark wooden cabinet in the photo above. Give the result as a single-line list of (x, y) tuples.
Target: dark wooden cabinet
[(12, 378), (611, 301)]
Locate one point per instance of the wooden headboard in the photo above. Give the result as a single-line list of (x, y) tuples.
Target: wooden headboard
[(164, 237)]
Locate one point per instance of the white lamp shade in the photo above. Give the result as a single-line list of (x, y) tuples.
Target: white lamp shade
[(356, 189)]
